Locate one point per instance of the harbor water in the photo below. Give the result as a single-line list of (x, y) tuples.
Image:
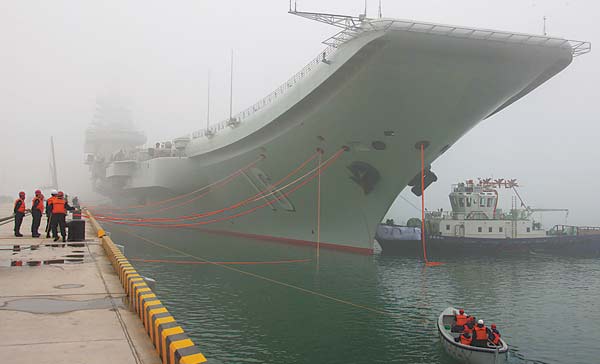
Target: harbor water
[(275, 303)]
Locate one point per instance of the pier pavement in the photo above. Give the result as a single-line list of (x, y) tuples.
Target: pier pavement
[(63, 303)]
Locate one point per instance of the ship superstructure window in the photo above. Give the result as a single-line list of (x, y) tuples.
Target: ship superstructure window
[(528, 229), (468, 201), (447, 227), (461, 202), (490, 229), (489, 202), (479, 229), (482, 202), (500, 229)]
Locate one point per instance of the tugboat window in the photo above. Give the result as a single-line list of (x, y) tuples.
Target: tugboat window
[(479, 229), (447, 227), (461, 202), (468, 201), (528, 230), (490, 229), (489, 202), (482, 202), (500, 229)]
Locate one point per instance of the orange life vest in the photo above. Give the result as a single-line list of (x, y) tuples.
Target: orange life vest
[(496, 338), (58, 206), (461, 319), (480, 333), (21, 208), (40, 205), (465, 340), (467, 329)]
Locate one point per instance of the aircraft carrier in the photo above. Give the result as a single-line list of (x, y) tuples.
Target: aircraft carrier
[(380, 89)]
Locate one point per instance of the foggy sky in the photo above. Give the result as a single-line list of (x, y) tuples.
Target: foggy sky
[(57, 56)]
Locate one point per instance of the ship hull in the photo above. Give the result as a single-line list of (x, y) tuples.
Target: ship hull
[(438, 247), (378, 96)]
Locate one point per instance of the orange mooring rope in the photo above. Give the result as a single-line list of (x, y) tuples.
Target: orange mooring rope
[(195, 262), (208, 188), (427, 262), (257, 196), (323, 166)]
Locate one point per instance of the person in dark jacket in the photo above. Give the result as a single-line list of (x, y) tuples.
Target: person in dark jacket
[(19, 210), (480, 334), (494, 335), (49, 212), (37, 209), (59, 207), (464, 338)]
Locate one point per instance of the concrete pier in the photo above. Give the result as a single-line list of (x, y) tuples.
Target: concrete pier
[(64, 303)]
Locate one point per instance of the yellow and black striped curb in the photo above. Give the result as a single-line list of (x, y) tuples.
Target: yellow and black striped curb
[(169, 339)]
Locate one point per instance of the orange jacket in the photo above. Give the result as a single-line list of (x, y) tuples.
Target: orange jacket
[(466, 340), (480, 333), (461, 319), (495, 338), (40, 203), (58, 206), (19, 206)]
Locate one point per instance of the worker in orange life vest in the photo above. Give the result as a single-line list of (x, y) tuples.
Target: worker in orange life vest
[(59, 208), (468, 328), (494, 335), (460, 320), (49, 212), (19, 211), (480, 334), (37, 209), (464, 338)]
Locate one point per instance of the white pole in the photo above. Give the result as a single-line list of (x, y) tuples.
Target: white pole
[(208, 102), (231, 89)]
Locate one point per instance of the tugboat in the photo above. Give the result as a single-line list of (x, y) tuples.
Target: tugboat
[(477, 226)]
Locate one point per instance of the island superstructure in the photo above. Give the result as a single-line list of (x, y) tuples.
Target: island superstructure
[(379, 90)]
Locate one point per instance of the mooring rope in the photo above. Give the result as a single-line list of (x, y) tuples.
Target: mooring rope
[(267, 279)]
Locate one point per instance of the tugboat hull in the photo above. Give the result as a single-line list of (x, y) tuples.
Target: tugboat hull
[(583, 246)]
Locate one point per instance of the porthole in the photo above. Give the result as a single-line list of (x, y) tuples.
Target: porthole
[(378, 145)]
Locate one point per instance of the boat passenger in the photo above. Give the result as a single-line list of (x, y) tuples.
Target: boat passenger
[(469, 325), (464, 338), (494, 335), (480, 335), (460, 321)]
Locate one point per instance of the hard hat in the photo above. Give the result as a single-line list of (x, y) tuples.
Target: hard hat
[(21, 193), (60, 194), (493, 326), (461, 311), (480, 322), (54, 192), (37, 192)]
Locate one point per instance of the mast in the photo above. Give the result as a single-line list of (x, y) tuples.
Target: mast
[(231, 88), (208, 102), (53, 166)]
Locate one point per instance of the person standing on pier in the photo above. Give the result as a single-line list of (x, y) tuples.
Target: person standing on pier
[(37, 210), (59, 207), (49, 212), (19, 210)]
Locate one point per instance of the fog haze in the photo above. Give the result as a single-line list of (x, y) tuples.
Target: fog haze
[(58, 56)]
